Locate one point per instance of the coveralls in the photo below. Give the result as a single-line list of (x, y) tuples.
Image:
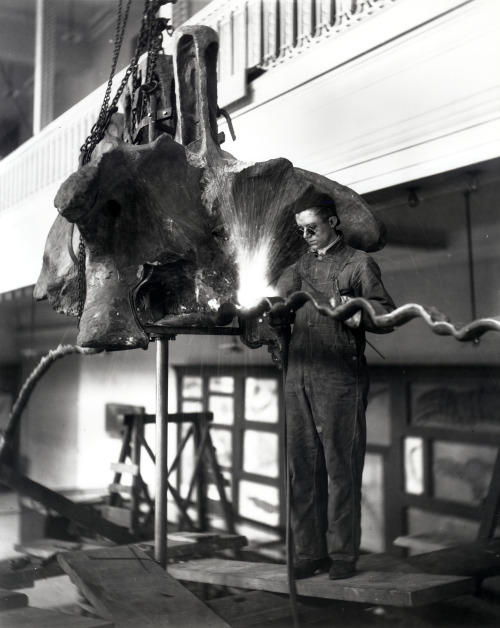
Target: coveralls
[(326, 396)]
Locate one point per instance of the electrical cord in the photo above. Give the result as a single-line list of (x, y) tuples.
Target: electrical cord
[(285, 339)]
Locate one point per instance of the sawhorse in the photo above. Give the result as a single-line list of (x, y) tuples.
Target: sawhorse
[(205, 458)]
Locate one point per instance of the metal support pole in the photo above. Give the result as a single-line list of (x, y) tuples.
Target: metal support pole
[(470, 256), (45, 64), (161, 468)]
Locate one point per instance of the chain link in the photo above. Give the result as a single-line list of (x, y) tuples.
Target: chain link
[(150, 38), (98, 129), (82, 283)]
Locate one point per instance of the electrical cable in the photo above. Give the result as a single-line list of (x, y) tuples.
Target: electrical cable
[(285, 339), (29, 385)]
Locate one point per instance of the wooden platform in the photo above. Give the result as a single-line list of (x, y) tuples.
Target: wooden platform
[(372, 587), (127, 587)]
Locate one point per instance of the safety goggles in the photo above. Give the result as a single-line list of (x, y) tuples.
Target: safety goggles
[(306, 231)]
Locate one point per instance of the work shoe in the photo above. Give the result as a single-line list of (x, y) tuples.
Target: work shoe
[(307, 568), (340, 569)]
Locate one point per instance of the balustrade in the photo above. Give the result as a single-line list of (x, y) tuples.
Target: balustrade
[(253, 34), (277, 29)]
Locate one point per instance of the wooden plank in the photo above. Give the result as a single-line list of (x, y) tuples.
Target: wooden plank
[(120, 488), (125, 585), (44, 618), (199, 545), (425, 542), (46, 548), (372, 587), (480, 560), (123, 467), (186, 417), (12, 599), (82, 514), (117, 516)]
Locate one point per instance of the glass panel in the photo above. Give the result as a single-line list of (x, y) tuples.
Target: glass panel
[(466, 405), (372, 504), (221, 385), (378, 418), (259, 502), (261, 399), (461, 472), (414, 465), (222, 441), (192, 387), (260, 453), (192, 406), (223, 409)]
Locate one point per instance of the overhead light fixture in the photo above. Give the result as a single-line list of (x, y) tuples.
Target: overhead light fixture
[(413, 199)]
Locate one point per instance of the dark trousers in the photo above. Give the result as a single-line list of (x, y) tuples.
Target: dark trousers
[(326, 396)]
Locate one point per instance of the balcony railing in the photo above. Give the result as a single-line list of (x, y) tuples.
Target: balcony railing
[(264, 33), (49, 156), (254, 34)]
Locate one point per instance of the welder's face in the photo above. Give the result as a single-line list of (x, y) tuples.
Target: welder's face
[(316, 231)]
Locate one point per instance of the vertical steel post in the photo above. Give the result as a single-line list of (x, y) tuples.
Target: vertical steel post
[(470, 255), (45, 64), (161, 469)]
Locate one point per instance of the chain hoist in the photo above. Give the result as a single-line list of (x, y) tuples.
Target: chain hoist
[(149, 40)]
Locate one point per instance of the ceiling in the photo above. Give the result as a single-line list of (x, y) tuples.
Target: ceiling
[(431, 214)]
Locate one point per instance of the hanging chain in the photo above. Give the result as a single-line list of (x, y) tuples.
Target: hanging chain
[(82, 284), (99, 128), (150, 38), (96, 134)]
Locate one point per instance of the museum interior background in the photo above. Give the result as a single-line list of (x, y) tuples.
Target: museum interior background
[(397, 99)]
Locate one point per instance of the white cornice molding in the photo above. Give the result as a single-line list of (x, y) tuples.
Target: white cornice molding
[(425, 102)]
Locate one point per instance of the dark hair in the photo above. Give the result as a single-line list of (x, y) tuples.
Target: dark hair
[(323, 211)]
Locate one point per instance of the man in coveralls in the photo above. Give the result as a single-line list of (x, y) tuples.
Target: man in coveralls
[(326, 396)]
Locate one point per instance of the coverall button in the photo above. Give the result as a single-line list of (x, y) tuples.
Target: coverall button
[(354, 357)]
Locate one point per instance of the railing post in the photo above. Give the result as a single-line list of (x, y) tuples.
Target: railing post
[(240, 36), (305, 21), (270, 23), (226, 46), (287, 28), (254, 34), (325, 16)]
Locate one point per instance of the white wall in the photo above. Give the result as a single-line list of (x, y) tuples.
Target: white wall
[(411, 92), (64, 441)]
